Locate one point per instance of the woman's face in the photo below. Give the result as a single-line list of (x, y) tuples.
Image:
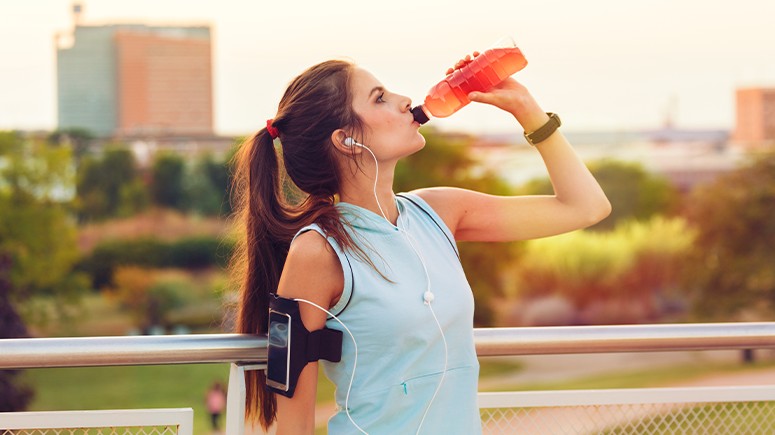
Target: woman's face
[(390, 129)]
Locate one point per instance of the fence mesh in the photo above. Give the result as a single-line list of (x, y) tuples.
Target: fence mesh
[(138, 430), (750, 418)]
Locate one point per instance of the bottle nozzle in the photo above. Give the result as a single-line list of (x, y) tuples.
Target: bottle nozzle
[(419, 115)]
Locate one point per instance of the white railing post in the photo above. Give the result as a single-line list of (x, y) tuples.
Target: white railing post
[(235, 400)]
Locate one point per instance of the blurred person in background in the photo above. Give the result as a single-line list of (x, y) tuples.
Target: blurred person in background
[(215, 401)]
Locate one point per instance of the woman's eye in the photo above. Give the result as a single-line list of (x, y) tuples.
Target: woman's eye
[(380, 99)]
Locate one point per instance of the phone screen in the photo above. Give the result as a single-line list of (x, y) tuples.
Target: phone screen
[(279, 350)]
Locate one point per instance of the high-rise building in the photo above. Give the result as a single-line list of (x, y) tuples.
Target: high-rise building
[(136, 80), (755, 127)]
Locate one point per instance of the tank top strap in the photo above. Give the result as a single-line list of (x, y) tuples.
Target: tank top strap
[(347, 269), (424, 207)]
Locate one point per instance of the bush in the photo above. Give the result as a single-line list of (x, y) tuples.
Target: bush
[(151, 294), (190, 253), (197, 253), (638, 263)]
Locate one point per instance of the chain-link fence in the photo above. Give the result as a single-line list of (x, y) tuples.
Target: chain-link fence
[(178, 421), (144, 430), (665, 417)]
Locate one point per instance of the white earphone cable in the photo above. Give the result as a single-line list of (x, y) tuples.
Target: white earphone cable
[(376, 177), (355, 362), (428, 298), (428, 302)]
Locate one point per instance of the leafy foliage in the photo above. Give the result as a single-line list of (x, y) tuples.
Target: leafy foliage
[(150, 294), (637, 263), (633, 192), (107, 186), (187, 253), (36, 229), (167, 185), (14, 396), (37, 238), (77, 138), (733, 272)]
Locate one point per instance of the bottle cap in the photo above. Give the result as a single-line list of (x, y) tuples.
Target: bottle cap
[(419, 115)]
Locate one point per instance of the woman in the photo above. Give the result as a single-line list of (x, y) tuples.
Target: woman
[(384, 265)]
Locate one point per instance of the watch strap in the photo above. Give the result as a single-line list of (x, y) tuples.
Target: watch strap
[(546, 130)]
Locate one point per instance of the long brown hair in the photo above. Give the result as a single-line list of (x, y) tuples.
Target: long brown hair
[(316, 103)]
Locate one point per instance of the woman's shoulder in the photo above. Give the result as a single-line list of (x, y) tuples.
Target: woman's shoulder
[(445, 201), (312, 267), (311, 249)]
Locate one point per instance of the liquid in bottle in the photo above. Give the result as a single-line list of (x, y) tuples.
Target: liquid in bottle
[(483, 72)]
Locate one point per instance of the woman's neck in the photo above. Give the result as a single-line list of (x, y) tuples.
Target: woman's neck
[(359, 190)]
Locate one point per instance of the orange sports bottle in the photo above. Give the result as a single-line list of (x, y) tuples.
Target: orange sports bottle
[(484, 72)]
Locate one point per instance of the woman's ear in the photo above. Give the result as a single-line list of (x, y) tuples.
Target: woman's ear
[(338, 139)]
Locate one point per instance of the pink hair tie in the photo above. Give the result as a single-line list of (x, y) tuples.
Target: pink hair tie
[(270, 128)]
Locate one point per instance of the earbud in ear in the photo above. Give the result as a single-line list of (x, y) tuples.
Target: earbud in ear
[(350, 142)]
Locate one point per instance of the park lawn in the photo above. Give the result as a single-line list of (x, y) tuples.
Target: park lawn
[(133, 387), (184, 385)]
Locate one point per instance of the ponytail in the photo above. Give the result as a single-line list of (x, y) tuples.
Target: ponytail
[(258, 258), (269, 223), (268, 213)]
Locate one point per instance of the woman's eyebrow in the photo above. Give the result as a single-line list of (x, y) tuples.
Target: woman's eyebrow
[(376, 89)]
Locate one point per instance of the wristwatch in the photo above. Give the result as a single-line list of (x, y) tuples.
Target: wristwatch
[(544, 131)]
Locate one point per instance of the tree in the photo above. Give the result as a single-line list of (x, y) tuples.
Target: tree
[(206, 186), (78, 138), (37, 238), (732, 265), (627, 275), (14, 396), (108, 184), (445, 162), (149, 295), (36, 229), (167, 181), (634, 193)]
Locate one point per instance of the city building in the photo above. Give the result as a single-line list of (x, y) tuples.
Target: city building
[(135, 80), (755, 126)]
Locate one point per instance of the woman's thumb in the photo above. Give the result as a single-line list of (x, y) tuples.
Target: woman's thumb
[(479, 97)]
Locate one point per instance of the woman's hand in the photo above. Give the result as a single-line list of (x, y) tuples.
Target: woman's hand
[(510, 96)]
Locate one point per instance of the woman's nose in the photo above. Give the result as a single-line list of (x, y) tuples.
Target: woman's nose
[(407, 104)]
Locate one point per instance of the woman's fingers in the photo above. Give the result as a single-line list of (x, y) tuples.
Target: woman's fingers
[(463, 62)]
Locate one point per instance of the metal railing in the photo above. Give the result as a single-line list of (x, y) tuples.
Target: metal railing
[(246, 352), (238, 348)]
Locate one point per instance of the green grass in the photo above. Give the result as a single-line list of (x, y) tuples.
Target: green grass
[(136, 387), (494, 367), (88, 388), (185, 385)]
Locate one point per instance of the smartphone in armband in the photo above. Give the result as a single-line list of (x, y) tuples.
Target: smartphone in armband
[(278, 365), (290, 346)]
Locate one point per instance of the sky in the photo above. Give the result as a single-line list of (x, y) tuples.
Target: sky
[(600, 64)]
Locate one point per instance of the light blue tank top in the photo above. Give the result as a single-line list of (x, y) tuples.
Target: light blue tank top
[(400, 349)]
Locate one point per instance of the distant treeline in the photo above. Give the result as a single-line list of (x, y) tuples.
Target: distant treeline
[(189, 253)]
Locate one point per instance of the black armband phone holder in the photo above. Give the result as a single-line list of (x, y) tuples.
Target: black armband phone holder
[(291, 346)]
